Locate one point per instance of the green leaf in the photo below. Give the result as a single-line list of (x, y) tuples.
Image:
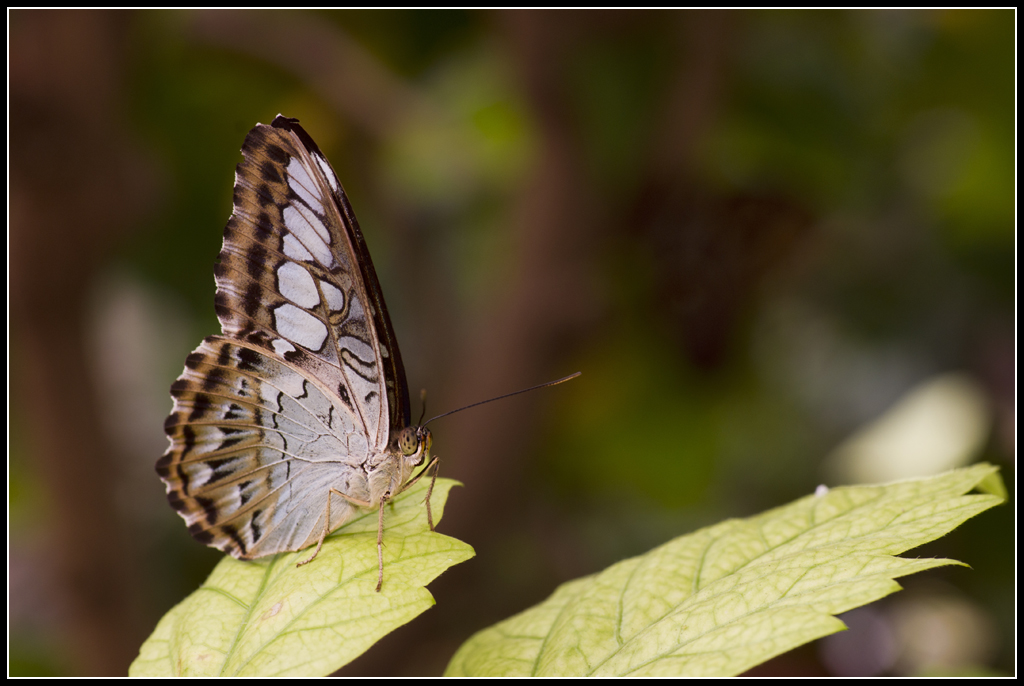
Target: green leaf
[(728, 597), (270, 618)]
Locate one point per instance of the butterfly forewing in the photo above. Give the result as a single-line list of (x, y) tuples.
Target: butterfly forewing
[(305, 389), (294, 273)]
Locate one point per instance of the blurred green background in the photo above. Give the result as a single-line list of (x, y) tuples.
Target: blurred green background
[(755, 233)]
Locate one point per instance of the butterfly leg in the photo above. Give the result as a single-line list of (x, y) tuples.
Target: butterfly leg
[(430, 489), (327, 522), (380, 517), (380, 543)]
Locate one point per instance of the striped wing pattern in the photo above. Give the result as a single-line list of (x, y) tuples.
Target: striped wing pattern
[(304, 391)]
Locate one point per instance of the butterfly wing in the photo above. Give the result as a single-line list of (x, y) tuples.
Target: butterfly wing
[(305, 388), (295, 269)]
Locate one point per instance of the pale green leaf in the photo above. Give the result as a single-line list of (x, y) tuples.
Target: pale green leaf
[(270, 618), (728, 597)]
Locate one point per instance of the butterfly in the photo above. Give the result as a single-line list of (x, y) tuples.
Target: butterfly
[(297, 415)]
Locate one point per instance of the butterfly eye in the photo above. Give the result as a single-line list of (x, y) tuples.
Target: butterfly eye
[(408, 441)]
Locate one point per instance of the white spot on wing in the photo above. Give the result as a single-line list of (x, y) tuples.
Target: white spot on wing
[(230, 500), (356, 312), (307, 229), (300, 326), (335, 298), (302, 183), (363, 352), (294, 249), (296, 284), (328, 173), (314, 221), (282, 346), (310, 231), (199, 473)]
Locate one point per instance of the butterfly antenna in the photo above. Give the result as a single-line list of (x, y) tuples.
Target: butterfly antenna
[(423, 404), (507, 395)]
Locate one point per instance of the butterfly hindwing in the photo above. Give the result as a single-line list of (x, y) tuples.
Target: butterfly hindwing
[(252, 440)]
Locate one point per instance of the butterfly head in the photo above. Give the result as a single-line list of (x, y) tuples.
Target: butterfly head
[(414, 442)]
